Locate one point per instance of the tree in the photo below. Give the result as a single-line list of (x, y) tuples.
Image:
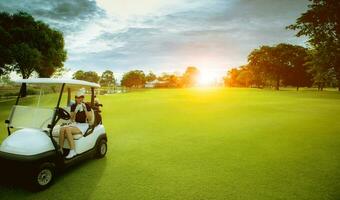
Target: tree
[(60, 72), (322, 76), (278, 62), (240, 77), (27, 45), (298, 75), (150, 77), (5, 79), (135, 78), (244, 77), (6, 57), (190, 77), (267, 60), (258, 76), (231, 78), (90, 76), (107, 79), (169, 81), (26, 59), (79, 75), (321, 23)]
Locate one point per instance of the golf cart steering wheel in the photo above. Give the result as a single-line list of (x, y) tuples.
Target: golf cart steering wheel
[(63, 114)]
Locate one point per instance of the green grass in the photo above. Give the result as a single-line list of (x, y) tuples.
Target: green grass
[(209, 144)]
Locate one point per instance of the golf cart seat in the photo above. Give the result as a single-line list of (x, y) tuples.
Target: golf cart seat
[(77, 136), (56, 131), (92, 124)]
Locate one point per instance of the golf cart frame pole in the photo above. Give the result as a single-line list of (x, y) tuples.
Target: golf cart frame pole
[(92, 97), (51, 126), (8, 121), (61, 94), (20, 92), (68, 96)]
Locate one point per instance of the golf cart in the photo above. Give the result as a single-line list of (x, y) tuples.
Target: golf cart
[(31, 149)]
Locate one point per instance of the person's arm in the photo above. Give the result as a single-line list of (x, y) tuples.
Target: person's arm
[(73, 116), (88, 112), (72, 113)]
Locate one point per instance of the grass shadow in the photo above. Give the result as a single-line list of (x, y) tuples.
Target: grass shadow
[(76, 182)]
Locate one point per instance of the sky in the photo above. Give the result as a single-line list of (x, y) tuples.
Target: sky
[(162, 35)]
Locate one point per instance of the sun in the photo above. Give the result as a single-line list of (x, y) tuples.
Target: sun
[(206, 78)]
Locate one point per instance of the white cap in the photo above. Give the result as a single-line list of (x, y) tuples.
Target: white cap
[(80, 93)]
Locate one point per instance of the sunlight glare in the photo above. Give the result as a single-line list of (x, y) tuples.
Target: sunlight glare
[(207, 78)]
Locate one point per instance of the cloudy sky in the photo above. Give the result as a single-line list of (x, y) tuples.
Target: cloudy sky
[(163, 35)]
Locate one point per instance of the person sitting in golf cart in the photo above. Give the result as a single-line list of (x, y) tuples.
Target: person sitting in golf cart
[(80, 114)]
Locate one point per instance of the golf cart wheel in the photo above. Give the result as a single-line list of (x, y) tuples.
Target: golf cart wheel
[(43, 177), (101, 149)]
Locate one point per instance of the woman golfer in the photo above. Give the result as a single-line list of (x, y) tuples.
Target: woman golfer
[(80, 114)]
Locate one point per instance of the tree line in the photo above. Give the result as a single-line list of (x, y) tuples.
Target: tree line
[(292, 65), (283, 64), (138, 79)]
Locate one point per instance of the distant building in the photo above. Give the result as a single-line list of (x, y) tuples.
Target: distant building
[(153, 84)]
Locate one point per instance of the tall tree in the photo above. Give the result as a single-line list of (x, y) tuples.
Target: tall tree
[(322, 76), (321, 23), (6, 57), (258, 76), (231, 78), (298, 75), (60, 72), (266, 59), (107, 79), (90, 76), (169, 81), (190, 76), (41, 48), (242, 76), (135, 78), (27, 59), (277, 62), (79, 75), (150, 77)]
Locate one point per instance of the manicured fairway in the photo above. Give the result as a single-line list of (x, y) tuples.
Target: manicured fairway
[(191, 144)]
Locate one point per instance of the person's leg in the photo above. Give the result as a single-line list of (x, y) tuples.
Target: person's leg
[(62, 137), (70, 131), (70, 137)]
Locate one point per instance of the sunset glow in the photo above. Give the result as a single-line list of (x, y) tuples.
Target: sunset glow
[(207, 78)]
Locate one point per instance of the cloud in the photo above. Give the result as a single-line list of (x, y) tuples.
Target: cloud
[(64, 15), (165, 35), (223, 32)]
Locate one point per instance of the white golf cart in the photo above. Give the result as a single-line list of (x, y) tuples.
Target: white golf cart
[(31, 149)]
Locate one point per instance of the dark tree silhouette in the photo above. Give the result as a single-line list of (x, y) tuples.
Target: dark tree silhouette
[(27, 45), (135, 78), (321, 23)]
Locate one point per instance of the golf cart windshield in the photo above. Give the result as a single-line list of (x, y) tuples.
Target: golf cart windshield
[(35, 107)]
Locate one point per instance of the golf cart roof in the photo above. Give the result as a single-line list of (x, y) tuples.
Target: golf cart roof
[(57, 81)]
